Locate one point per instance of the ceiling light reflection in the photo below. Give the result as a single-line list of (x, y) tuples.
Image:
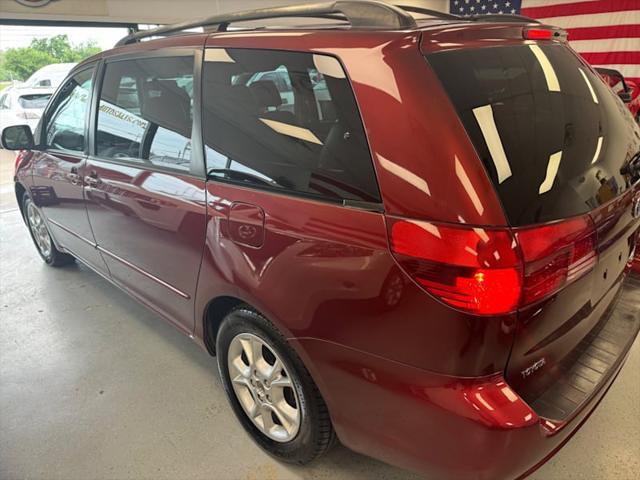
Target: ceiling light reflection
[(484, 117), (552, 171), (549, 73), (292, 131), (404, 174), (466, 183), (589, 86), (598, 148)]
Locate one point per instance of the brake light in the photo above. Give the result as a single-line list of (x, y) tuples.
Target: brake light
[(493, 271), (556, 255), (473, 269), (537, 34)]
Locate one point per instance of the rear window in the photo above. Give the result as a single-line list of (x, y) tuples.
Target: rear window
[(285, 121), (38, 101), (553, 137)]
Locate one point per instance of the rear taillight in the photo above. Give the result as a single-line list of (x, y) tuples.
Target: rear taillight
[(473, 269), (493, 271), (556, 255)]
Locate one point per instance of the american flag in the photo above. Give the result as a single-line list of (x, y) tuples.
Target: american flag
[(605, 32)]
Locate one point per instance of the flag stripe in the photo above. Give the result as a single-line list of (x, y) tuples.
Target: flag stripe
[(595, 20), (605, 45), (606, 58), (613, 31), (629, 71), (542, 3), (580, 8)]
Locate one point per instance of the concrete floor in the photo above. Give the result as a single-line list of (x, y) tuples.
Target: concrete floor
[(92, 385)]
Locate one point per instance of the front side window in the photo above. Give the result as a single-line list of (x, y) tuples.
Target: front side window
[(67, 120), (285, 121), (146, 112)]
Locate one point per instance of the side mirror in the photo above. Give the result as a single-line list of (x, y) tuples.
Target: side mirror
[(625, 96), (17, 137)]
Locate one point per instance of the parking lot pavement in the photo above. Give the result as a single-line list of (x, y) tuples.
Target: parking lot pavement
[(7, 165)]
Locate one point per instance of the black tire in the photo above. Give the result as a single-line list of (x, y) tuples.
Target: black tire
[(315, 435), (53, 257)]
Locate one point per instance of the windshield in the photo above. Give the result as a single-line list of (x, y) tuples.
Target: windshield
[(37, 101), (555, 140)]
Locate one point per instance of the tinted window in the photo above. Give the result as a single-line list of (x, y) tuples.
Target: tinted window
[(555, 140), (145, 113), (67, 120), (285, 120), (38, 101)]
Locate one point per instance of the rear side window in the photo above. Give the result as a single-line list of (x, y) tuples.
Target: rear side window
[(555, 140), (286, 121), (38, 101), (146, 111)]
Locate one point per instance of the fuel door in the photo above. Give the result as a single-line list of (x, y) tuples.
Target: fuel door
[(246, 224)]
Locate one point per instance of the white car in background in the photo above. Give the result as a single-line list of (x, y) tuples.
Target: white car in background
[(24, 103), (23, 106), (50, 76)]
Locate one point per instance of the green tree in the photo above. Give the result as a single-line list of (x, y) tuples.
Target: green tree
[(20, 63)]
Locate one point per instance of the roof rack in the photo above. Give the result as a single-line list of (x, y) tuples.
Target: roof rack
[(431, 13), (362, 14), (500, 17)]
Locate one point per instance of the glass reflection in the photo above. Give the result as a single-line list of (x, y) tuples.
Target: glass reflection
[(145, 113)]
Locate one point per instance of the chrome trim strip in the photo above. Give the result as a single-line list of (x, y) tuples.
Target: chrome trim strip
[(143, 272), (71, 232)]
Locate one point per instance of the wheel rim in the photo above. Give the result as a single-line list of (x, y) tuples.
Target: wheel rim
[(39, 230), (263, 387)]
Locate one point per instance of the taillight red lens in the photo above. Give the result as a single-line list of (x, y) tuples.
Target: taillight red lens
[(538, 34), (473, 269), (556, 255), (494, 271)]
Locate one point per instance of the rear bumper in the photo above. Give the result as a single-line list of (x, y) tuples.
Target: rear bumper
[(442, 426)]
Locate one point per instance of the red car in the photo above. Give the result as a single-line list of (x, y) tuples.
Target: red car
[(627, 90), (398, 228)]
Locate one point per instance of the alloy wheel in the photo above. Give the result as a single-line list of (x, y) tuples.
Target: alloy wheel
[(39, 230), (264, 387)]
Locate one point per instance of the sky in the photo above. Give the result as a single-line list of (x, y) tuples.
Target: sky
[(18, 36)]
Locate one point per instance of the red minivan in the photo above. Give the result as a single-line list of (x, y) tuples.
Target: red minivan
[(398, 228)]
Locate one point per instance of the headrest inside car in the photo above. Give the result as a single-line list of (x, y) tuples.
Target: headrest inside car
[(266, 93)]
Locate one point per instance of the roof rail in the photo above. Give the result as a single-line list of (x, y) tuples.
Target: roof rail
[(500, 17), (362, 14), (431, 13)]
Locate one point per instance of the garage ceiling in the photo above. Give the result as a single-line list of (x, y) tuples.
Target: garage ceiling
[(145, 11)]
